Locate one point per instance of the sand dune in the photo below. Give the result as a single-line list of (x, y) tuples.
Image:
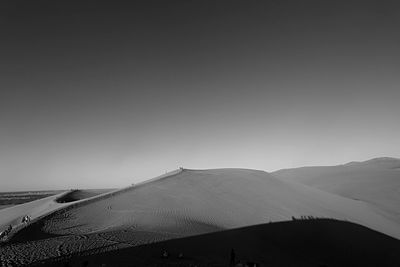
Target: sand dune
[(13, 215), (180, 204), (375, 181), (194, 201), (41, 207)]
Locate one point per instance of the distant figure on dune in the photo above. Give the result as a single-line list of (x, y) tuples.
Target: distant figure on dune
[(5, 232), (26, 219)]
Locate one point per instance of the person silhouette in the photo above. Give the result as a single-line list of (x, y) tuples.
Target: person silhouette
[(232, 259), (165, 254)]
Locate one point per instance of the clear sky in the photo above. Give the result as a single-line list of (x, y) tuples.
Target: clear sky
[(96, 94)]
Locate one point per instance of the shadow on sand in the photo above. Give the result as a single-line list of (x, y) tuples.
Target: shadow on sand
[(307, 242)]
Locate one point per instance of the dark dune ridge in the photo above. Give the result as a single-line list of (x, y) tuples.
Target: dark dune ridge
[(316, 242), (76, 195)]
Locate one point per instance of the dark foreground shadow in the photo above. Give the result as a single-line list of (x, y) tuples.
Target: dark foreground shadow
[(316, 242)]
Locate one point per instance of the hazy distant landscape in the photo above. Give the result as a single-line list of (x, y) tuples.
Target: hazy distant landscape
[(9, 199)]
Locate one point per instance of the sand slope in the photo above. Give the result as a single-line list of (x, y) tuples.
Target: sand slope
[(375, 181), (193, 202), (180, 204), (13, 215), (41, 207)]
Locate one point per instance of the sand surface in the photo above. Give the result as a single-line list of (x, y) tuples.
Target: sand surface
[(13, 215), (179, 204), (376, 182), (6, 206)]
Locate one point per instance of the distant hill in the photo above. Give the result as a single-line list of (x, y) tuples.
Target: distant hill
[(384, 162), (376, 181)]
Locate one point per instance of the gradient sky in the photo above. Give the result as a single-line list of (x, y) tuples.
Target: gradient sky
[(96, 94)]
